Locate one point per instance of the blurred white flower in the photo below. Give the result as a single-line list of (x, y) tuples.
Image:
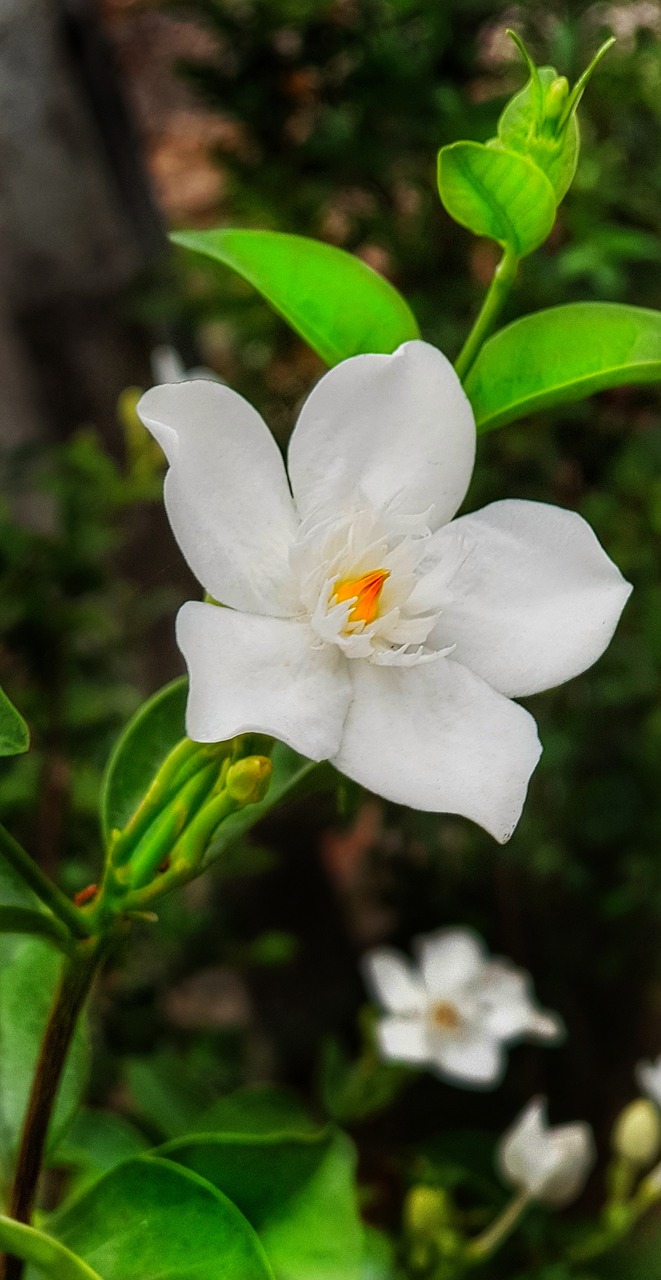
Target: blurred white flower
[(547, 1164), (457, 1010), (168, 366), (363, 625), (648, 1076)]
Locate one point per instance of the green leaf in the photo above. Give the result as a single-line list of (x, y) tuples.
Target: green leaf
[(496, 193), (521, 129), (14, 732), (97, 1142), (150, 1220), (566, 353), (338, 304), (257, 1109), (29, 971), (298, 1192), (47, 1255), (149, 737)]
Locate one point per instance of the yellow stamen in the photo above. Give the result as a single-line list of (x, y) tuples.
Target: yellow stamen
[(365, 591)]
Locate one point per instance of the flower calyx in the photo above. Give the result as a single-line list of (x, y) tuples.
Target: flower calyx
[(168, 837)]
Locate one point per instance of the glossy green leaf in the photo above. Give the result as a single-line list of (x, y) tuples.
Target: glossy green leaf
[(496, 193), (560, 355), (14, 732), (50, 1258), (297, 1191), (150, 736), (29, 971), (151, 1220), (338, 304)]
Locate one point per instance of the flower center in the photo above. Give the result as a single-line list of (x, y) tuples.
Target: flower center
[(445, 1017), (365, 591)]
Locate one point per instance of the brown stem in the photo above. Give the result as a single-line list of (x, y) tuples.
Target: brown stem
[(72, 991)]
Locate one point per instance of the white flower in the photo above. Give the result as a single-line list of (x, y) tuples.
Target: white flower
[(168, 366), (648, 1076), (458, 1011), (363, 627), (547, 1164)]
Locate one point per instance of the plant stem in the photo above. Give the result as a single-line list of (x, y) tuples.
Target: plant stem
[(503, 279), (44, 888), (485, 1244), (75, 982)]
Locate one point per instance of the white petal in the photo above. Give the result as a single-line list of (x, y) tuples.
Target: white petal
[(435, 737), (403, 1039), (574, 1153), (393, 431), (533, 600), (252, 674), (393, 981), (524, 1154), (474, 1059), (448, 959), (508, 1008), (226, 492), (550, 1164), (648, 1076)]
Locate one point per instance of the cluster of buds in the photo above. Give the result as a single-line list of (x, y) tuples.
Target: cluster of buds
[(168, 838)]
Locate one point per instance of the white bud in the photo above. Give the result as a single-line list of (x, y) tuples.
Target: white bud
[(548, 1164)]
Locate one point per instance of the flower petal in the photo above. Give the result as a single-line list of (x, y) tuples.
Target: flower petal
[(226, 492), (524, 1154), (448, 959), (648, 1076), (436, 737), (508, 1009), (474, 1059), (532, 599), (394, 431), (574, 1153), (403, 1040), (393, 981), (262, 675)]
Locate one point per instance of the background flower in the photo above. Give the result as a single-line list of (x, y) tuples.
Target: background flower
[(457, 1011), (549, 1164)]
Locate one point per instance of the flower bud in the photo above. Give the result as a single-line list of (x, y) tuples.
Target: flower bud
[(248, 780), (426, 1210), (540, 123), (636, 1135)]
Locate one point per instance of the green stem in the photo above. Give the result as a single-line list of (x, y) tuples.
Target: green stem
[(44, 888), (75, 982), (503, 279), (486, 1244)]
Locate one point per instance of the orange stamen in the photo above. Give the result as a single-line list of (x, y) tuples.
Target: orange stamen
[(85, 895), (365, 591)]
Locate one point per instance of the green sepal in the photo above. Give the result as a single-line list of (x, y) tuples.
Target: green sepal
[(14, 732), (540, 121), (339, 305), (496, 193), (560, 355)]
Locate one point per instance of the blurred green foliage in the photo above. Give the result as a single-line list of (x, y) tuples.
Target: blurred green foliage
[(338, 111)]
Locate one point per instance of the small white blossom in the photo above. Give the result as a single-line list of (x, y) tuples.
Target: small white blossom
[(168, 366), (457, 1011), (547, 1164), (362, 623), (648, 1076)]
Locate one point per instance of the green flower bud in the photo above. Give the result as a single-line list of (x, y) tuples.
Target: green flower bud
[(540, 122), (636, 1135), (426, 1211), (248, 780)]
